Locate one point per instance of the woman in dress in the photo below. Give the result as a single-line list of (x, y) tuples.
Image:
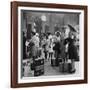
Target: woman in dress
[(72, 50), (57, 47)]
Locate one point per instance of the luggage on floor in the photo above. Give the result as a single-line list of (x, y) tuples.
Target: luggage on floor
[(55, 62), (65, 66), (58, 60), (39, 67)]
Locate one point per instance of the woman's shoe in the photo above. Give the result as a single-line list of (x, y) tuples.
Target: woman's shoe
[(72, 71)]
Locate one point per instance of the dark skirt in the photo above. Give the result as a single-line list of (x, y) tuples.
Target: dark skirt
[(72, 51)]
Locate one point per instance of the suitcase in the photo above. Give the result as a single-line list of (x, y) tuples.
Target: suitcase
[(39, 72), (58, 60), (39, 67), (55, 62), (65, 66)]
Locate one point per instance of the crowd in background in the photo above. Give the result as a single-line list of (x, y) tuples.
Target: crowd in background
[(52, 46)]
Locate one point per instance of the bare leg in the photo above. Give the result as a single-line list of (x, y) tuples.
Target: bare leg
[(72, 66)]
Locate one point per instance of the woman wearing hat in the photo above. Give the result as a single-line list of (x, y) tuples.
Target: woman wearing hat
[(72, 50), (35, 43)]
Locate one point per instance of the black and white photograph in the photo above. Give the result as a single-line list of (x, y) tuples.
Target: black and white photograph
[(50, 43)]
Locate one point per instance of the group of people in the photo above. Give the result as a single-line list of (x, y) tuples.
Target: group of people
[(49, 46)]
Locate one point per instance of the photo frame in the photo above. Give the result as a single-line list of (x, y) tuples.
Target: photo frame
[(21, 13)]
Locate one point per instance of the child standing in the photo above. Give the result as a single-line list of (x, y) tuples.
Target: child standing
[(51, 48), (45, 47)]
